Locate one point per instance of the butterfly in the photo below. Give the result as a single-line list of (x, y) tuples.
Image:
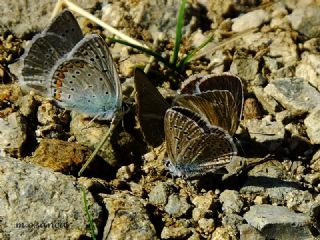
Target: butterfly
[(194, 146), (216, 98), (77, 72), (151, 108)]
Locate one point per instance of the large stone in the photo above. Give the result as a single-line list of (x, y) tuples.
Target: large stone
[(276, 222), (127, 218), (269, 134), (45, 204), (294, 94), (270, 179), (306, 20)]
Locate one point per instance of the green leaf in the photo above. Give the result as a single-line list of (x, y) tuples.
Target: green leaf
[(155, 54), (187, 58), (180, 21)]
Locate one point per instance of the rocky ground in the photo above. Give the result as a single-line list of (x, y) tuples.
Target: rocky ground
[(131, 195)]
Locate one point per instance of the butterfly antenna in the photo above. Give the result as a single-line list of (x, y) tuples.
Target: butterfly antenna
[(114, 123)]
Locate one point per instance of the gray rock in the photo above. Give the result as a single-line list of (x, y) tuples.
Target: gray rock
[(245, 67), (306, 20), (160, 193), (177, 206), (12, 134), (311, 45), (249, 20), (231, 202), (248, 232), (281, 45), (283, 117), (313, 126), (309, 68), (127, 218), (269, 179), (268, 103), (276, 222), (22, 17), (33, 195), (294, 94), (233, 221), (268, 133)]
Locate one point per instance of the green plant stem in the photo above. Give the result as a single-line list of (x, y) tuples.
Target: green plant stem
[(189, 56), (86, 209), (180, 21), (144, 50)]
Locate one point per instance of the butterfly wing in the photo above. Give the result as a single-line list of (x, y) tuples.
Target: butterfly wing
[(225, 81), (36, 63), (217, 107), (94, 50), (81, 86), (45, 50), (193, 146), (151, 108), (66, 26), (189, 86)]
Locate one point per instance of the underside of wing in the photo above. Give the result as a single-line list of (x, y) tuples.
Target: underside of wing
[(151, 109), (43, 53), (80, 86), (94, 50), (217, 107), (225, 81), (193, 146), (66, 26), (189, 86)]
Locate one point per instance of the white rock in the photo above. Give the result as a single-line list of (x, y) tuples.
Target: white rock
[(250, 20)]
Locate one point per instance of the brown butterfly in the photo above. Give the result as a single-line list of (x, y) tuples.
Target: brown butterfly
[(216, 98), (151, 108)]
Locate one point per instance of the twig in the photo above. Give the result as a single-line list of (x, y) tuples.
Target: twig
[(73, 7)]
